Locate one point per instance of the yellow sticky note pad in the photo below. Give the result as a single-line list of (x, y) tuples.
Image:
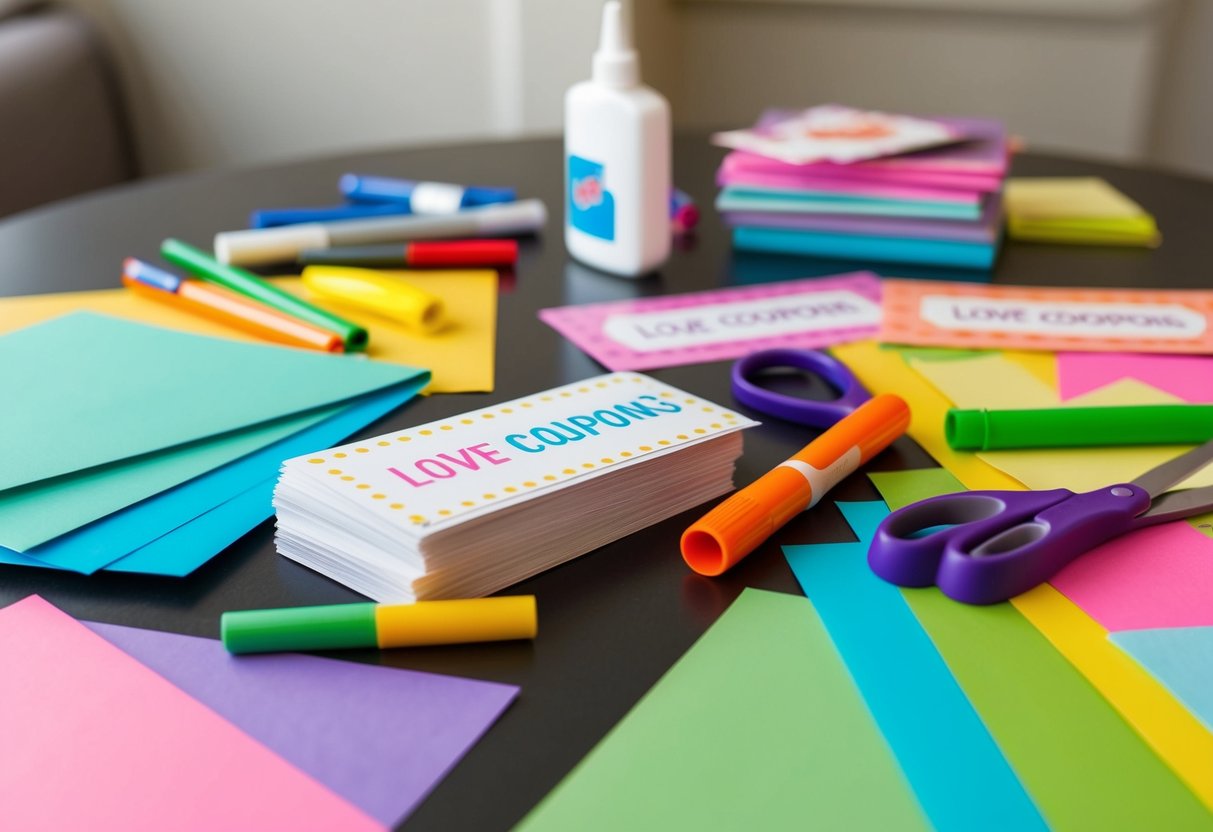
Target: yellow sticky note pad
[(460, 356), (1075, 210)]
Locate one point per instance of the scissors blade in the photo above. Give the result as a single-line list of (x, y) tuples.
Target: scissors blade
[(1176, 505), (1159, 479)]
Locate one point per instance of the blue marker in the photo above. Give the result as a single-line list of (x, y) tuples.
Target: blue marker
[(420, 197), (274, 217)]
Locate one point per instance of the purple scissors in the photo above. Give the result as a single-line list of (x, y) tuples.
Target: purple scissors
[(817, 414), (993, 545)]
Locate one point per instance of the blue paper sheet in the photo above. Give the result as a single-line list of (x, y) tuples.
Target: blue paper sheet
[(1181, 659), (957, 771)]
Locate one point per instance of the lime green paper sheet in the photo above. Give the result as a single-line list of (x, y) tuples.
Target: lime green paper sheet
[(758, 726), (1083, 764)]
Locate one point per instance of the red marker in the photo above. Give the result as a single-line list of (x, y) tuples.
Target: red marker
[(446, 254)]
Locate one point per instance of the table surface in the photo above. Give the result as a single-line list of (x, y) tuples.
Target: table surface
[(613, 621)]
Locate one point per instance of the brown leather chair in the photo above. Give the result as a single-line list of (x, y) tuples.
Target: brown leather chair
[(63, 129)]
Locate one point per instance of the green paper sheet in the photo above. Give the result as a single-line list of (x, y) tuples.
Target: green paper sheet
[(757, 727), (1081, 762), (89, 390)]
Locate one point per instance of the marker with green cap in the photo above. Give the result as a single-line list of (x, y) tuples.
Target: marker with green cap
[(1079, 427), (250, 285)]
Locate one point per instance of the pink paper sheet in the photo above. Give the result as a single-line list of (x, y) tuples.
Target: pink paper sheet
[(95, 740), (1188, 376), (1157, 577)]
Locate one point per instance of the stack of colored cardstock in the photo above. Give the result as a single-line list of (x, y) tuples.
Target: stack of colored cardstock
[(939, 206), (1076, 210), (140, 449)]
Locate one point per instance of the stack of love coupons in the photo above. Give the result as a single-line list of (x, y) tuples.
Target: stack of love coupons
[(465, 506)]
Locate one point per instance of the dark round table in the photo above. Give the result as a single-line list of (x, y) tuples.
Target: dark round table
[(611, 622)]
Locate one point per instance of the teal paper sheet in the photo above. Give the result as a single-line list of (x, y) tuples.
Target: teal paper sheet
[(956, 769)]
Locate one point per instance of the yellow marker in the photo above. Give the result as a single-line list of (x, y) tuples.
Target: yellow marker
[(339, 626), (376, 292)]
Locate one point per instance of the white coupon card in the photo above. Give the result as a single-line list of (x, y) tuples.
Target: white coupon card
[(452, 470)]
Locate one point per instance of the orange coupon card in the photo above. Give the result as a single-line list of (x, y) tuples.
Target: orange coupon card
[(946, 314)]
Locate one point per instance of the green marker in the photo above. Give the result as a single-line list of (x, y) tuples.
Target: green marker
[(1079, 427), (248, 284)]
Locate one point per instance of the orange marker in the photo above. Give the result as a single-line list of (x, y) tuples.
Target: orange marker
[(227, 307), (740, 524)]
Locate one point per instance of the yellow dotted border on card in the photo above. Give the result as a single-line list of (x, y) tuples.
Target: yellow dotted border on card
[(729, 419)]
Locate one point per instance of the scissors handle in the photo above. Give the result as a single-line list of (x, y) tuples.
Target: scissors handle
[(994, 545), (817, 414)]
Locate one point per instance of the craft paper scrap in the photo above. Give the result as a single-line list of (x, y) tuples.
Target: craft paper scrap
[(918, 705), (165, 518), (152, 389), (106, 743), (1156, 577), (838, 134), (1181, 659), (381, 738), (995, 381), (758, 726), (947, 314), (1151, 710), (1187, 377), (723, 323), (435, 475), (461, 356), (1081, 762)]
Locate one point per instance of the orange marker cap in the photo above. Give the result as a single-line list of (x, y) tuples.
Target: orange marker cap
[(740, 524)]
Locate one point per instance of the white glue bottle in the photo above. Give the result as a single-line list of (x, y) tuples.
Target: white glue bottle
[(617, 160)]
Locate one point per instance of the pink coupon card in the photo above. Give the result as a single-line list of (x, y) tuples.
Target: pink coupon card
[(723, 323)]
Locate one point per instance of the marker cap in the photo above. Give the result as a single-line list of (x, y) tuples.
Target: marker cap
[(967, 430), (464, 253), (377, 293), (299, 628), (501, 618)]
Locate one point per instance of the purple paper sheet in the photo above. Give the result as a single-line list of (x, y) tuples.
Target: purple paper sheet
[(985, 230), (380, 737)]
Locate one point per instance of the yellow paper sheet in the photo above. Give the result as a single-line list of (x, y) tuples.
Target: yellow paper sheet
[(1145, 706), (461, 357), (998, 382)]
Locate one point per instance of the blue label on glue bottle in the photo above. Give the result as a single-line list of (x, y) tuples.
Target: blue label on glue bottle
[(591, 206)]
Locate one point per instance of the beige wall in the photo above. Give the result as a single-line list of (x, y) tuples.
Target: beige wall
[(1071, 82), (237, 82)]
